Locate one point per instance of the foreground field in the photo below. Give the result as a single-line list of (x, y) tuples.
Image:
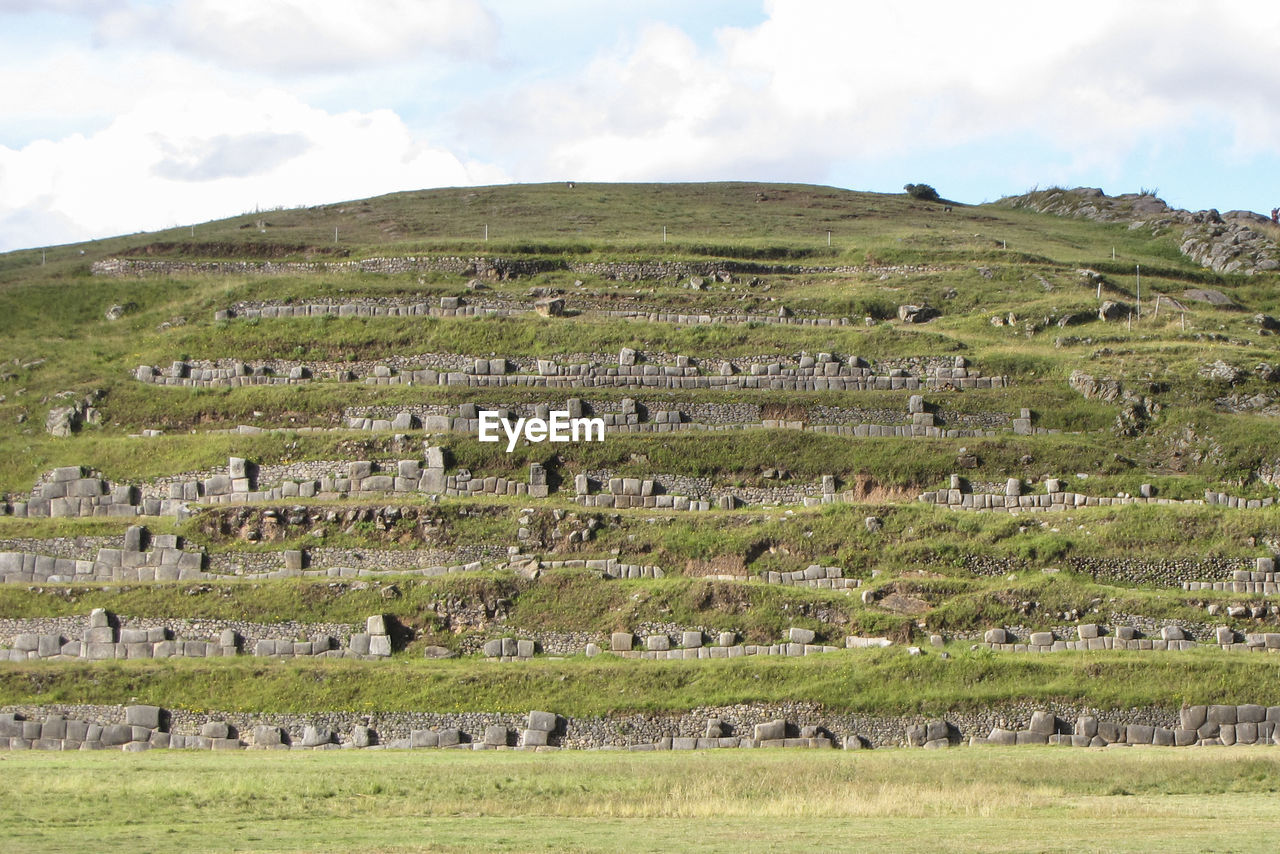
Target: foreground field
[(972, 800)]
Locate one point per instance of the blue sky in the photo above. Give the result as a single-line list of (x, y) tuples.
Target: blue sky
[(119, 116)]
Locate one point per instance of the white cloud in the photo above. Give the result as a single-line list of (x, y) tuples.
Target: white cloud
[(214, 154), (306, 35), (72, 7), (819, 83)]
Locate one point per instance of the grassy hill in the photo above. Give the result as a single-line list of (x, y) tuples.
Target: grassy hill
[(1018, 295)]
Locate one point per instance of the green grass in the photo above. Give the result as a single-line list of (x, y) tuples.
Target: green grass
[(1024, 799), (860, 681)]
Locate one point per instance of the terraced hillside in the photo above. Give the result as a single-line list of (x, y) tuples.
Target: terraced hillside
[(874, 472)]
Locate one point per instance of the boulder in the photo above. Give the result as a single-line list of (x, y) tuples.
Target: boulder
[(1112, 310), (917, 313)]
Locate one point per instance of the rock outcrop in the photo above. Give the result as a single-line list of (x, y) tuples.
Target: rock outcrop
[(1233, 242)]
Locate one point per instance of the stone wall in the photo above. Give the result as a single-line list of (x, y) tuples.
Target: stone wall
[(1172, 637), (602, 489), (631, 416), (102, 637), (798, 725), (627, 370), (1057, 497), (165, 559), (499, 268), (454, 307), (360, 560), (67, 493)]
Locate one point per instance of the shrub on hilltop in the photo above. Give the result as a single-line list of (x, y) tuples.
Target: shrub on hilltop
[(923, 192)]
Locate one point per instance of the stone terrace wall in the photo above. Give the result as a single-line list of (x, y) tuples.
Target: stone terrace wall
[(456, 307), (631, 416), (103, 638), (1057, 497), (501, 268), (166, 560), (808, 374), (135, 728)]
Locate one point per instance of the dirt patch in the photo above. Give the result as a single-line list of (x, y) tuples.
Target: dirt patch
[(865, 488), (906, 605), (733, 565)]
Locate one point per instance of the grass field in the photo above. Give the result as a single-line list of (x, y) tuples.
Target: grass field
[(970, 800), (888, 681)]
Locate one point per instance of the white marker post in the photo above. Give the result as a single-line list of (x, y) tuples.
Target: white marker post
[(664, 234), (335, 234), (1137, 268), (486, 232), (828, 238)]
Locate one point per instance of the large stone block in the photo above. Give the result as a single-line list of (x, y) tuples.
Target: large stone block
[(313, 736), (359, 643), (1043, 722), (424, 738), (145, 716), (1251, 714), (215, 729), (1220, 714), (770, 730), (1193, 717), (621, 641), (54, 727), (1087, 725), (801, 636), (1110, 732), (543, 721), (496, 735), (265, 735)]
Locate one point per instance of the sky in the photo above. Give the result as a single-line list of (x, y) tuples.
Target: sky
[(120, 116)]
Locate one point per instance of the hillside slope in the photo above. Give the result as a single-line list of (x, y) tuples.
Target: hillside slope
[(978, 431)]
